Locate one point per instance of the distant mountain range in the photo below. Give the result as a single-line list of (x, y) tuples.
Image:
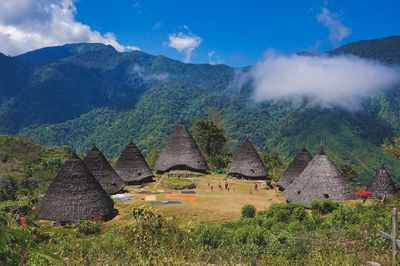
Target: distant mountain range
[(78, 94)]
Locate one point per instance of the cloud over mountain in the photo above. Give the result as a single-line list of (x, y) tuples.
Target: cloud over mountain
[(327, 81), (30, 24), (185, 43)]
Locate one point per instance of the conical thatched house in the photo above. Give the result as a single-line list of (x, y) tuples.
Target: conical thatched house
[(103, 172), (74, 194), (295, 168), (247, 164), (132, 167), (181, 153), (319, 180), (382, 184)]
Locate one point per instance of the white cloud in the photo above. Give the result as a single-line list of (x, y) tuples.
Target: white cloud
[(210, 55), (327, 81), (139, 70), (337, 31), (31, 24), (185, 43), (157, 25), (132, 48)]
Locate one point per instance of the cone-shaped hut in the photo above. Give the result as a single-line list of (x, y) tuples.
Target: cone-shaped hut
[(181, 153), (295, 168), (319, 180), (74, 194), (132, 167), (103, 172), (382, 184), (247, 164)]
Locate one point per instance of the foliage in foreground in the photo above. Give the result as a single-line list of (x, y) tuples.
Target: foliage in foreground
[(285, 234)]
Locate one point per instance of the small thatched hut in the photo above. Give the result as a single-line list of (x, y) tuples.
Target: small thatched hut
[(132, 167), (247, 164), (295, 168), (319, 180), (103, 172), (382, 185), (74, 194), (181, 153)]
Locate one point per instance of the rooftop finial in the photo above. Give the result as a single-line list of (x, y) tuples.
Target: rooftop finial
[(180, 120), (247, 136), (321, 148), (304, 144), (94, 143), (74, 149)]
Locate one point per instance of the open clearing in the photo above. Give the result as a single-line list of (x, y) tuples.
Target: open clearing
[(210, 206)]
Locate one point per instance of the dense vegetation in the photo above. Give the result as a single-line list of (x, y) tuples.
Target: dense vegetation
[(84, 93), (285, 234)]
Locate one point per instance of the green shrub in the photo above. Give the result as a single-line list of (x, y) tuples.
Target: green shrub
[(248, 211), (88, 227), (323, 207), (294, 226), (208, 236), (342, 217), (283, 215), (299, 213), (256, 237), (286, 212)]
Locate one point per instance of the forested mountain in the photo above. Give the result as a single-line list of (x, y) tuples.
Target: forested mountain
[(78, 94)]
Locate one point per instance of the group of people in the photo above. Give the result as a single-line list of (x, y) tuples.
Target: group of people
[(219, 186)]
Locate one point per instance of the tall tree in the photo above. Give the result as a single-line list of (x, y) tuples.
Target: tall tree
[(209, 136), (349, 173), (275, 165)]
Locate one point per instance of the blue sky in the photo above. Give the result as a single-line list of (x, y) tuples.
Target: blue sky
[(236, 33)]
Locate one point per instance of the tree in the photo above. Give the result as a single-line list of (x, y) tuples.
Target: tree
[(392, 148), (275, 165), (152, 158), (209, 137), (349, 173)]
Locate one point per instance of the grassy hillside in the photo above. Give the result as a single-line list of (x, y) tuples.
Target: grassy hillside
[(25, 160)]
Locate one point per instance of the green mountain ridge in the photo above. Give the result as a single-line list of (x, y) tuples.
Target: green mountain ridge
[(96, 94)]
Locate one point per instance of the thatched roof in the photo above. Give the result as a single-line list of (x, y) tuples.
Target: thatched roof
[(132, 167), (319, 180), (103, 172), (382, 184), (74, 194), (181, 153), (295, 168), (247, 163)]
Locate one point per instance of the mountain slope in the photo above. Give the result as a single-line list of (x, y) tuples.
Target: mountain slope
[(65, 82), (110, 97)]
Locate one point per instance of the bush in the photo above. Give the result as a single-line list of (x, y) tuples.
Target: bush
[(248, 211), (209, 236), (88, 227), (283, 215), (323, 207), (219, 161), (342, 217), (286, 212), (299, 213)]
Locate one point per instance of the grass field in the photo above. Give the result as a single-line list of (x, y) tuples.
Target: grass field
[(211, 206)]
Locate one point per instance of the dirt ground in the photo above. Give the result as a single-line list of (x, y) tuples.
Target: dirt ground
[(211, 206)]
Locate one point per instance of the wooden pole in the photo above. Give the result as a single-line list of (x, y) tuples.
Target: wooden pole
[(395, 233)]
